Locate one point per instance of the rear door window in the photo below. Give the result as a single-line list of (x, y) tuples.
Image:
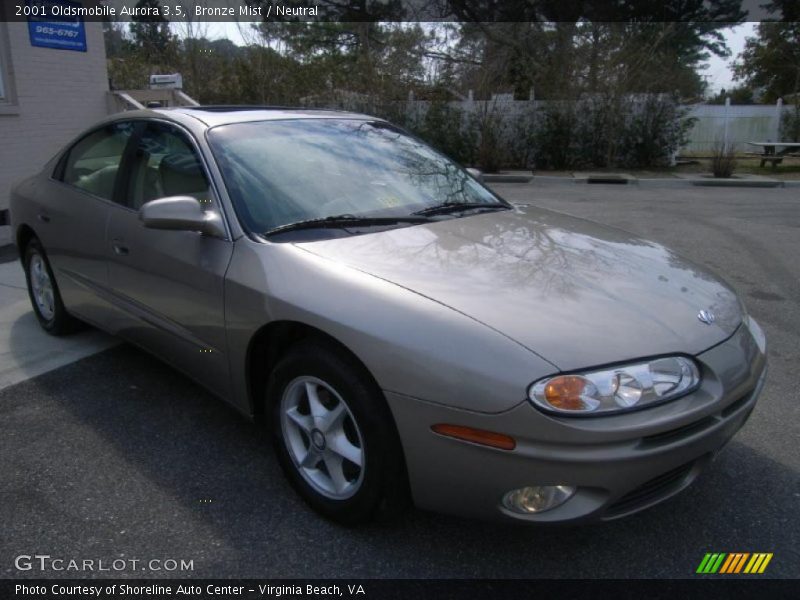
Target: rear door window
[(92, 164)]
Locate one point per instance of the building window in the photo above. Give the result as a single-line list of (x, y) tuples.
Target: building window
[(5, 66), (3, 97)]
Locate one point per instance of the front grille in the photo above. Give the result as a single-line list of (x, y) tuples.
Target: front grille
[(665, 437), (651, 491), (734, 406)]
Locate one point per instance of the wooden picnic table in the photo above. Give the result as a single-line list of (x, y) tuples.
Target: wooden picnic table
[(769, 153)]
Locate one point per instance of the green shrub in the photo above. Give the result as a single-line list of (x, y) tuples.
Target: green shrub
[(555, 140), (790, 124), (445, 127), (723, 159), (600, 131), (655, 130)]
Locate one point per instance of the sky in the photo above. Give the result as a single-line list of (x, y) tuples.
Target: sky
[(717, 72)]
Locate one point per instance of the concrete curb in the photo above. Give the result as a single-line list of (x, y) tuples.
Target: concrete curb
[(501, 178), (669, 182), (613, 178), (552, 179), (752, 183)]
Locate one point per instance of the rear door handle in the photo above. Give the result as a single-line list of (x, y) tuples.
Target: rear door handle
[(43, 218), (119, 249)]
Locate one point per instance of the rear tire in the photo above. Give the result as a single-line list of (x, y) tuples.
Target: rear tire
[(334, 435), (43, 292)]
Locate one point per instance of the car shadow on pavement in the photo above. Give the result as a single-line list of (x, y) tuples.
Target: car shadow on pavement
[(26, 350), (119, 454)]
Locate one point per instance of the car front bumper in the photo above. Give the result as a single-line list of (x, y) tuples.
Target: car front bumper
[(619, 464)]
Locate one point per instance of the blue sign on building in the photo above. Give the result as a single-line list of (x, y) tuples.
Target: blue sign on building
[(49, 31)]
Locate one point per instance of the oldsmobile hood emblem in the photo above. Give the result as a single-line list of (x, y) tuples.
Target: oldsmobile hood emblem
[(706, 316)]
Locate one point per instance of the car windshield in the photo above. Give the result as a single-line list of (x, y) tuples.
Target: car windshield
[(289, 171)]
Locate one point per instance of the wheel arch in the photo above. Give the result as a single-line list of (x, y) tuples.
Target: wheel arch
[(25, 234), (271, 342)]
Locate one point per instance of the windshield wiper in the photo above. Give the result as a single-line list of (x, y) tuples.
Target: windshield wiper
[(344, 221), (451, 207)]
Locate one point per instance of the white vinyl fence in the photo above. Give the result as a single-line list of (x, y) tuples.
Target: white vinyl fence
[(736, 124)]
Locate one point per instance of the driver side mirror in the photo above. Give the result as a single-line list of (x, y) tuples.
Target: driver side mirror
[(476, 173), (181, 213)]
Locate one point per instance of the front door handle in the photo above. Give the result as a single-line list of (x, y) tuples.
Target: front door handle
[(119, 249), (43, 217)]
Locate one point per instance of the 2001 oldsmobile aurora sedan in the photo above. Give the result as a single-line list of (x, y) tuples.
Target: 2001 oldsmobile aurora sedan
[(400, 327)]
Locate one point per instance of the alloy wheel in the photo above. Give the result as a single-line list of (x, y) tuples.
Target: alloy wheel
[(322, 437), (42, 287)]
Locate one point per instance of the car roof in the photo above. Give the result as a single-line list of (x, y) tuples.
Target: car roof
[(215, 115)]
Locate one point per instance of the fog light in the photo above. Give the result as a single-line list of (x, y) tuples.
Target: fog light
[(537, 498)]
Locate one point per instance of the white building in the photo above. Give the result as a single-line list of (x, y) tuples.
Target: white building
[(50, 89)]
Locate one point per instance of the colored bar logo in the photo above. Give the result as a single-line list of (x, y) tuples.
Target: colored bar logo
[(734, 563)]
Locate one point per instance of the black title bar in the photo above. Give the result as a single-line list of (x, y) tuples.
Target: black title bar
[(181, 11), (389, 589)]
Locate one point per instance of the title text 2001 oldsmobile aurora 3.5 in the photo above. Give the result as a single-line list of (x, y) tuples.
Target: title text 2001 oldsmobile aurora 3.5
[(403, 331)]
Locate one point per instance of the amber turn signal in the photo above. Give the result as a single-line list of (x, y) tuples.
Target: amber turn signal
[(565, 392), (476, 436)]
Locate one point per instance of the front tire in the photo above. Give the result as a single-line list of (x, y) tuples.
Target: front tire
[(43, 292), (334, 435)]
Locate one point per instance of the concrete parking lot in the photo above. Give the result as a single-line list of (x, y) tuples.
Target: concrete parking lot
[(117, 455)]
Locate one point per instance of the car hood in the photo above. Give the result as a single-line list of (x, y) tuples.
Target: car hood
[(574, 292)]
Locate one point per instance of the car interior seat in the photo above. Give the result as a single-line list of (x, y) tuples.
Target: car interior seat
[(100, 183), (180, 174)]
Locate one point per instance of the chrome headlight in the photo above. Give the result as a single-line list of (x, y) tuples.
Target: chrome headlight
[(617, 389)]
